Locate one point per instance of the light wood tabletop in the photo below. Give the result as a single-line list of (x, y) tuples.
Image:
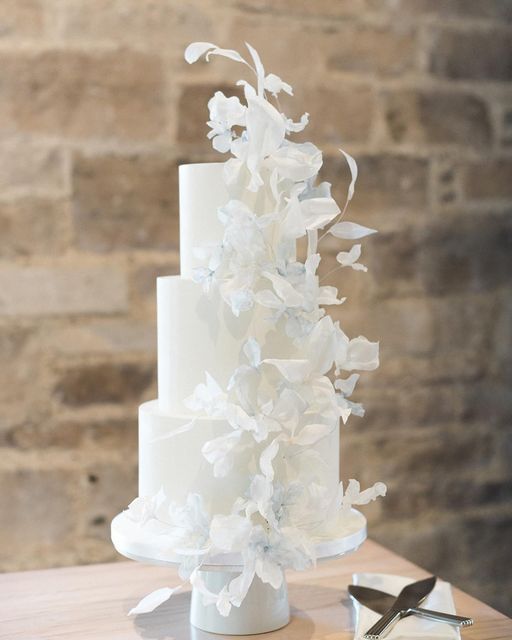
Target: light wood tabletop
[(91, 602)]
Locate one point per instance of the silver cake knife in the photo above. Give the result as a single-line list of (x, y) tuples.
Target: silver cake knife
[(410, 596), (380, 602)]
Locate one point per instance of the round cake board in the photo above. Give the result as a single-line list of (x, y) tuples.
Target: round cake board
[(264, 608)]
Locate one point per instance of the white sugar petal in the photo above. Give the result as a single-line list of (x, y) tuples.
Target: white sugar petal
[(347, 258), (153, 600), (295, 127), (318, 212), (258, 66), (275, 85), (350, 230), (268, 298), (353, 172), (311, 433), (252, 351), (347, 386), (226, 53), (229, 533), (239, 586), (362, 355), (284, 290), (196, 49), (293, 370), (268, 454), (269, 572), (345, 414)]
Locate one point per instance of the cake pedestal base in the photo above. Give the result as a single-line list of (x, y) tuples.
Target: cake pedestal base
[(263, 609)]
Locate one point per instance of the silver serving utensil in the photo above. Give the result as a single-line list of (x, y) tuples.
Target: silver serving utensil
[(411, 596), (380, 602)]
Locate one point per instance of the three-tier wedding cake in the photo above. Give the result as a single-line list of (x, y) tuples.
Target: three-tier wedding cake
[(238, 456)]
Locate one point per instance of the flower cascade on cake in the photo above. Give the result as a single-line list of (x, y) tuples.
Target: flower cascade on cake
[(278, 408)]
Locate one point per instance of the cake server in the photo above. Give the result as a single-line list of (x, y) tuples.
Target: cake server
[(380, 602), (410, 596)]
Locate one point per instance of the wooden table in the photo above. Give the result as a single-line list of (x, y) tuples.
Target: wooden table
[(91, 603)]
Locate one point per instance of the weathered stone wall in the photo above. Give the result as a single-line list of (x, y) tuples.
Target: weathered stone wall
[(97, 109)]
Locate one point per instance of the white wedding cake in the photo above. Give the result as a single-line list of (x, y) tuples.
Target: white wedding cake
[(239, 455)]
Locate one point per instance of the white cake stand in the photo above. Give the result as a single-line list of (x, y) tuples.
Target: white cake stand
[(263, 609)]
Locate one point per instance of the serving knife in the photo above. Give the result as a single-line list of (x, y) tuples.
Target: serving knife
[(380, 602), (411, 596)]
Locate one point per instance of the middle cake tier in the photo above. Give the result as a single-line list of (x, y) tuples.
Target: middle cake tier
[(198, 333)]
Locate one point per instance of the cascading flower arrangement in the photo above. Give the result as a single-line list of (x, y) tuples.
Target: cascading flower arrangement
[(277, 408)]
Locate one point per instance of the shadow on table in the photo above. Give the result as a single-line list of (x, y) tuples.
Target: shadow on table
[(170, 621)]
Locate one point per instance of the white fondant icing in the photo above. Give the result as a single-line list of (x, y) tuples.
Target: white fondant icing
[(202, 191), (177, 465)]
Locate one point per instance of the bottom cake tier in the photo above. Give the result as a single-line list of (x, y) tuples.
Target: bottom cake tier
[(176, 464)]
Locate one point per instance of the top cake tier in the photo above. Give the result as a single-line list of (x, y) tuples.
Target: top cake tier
[(202, 191)]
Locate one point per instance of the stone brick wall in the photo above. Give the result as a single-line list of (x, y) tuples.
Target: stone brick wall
[(97, 109)]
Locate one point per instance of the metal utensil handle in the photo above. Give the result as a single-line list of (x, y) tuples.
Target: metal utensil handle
[(440, 616), (381, 626)]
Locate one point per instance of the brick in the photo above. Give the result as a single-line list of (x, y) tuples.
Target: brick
[(143, 276), (490, 9), (420, 406), (39, 510), (467, 255), (115, 434), (107, 490), (490, 400), (303, 8), (79, 386), (21, 19), (464, 322), (446, 181), (125, 201), (505, 137), (488, 180), (437, 117), (149, 23), (406, 371), (275, 39), (501, 342), (103, 337), (386, 51), (34, 226), (29, 168), (386, 182), (471, 55), (193, 112), (75, 94), (429, 454), (463, 491), (401, 325), (393, 263), (338, 115), (19, 365), (458, 255), (61, 289)]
